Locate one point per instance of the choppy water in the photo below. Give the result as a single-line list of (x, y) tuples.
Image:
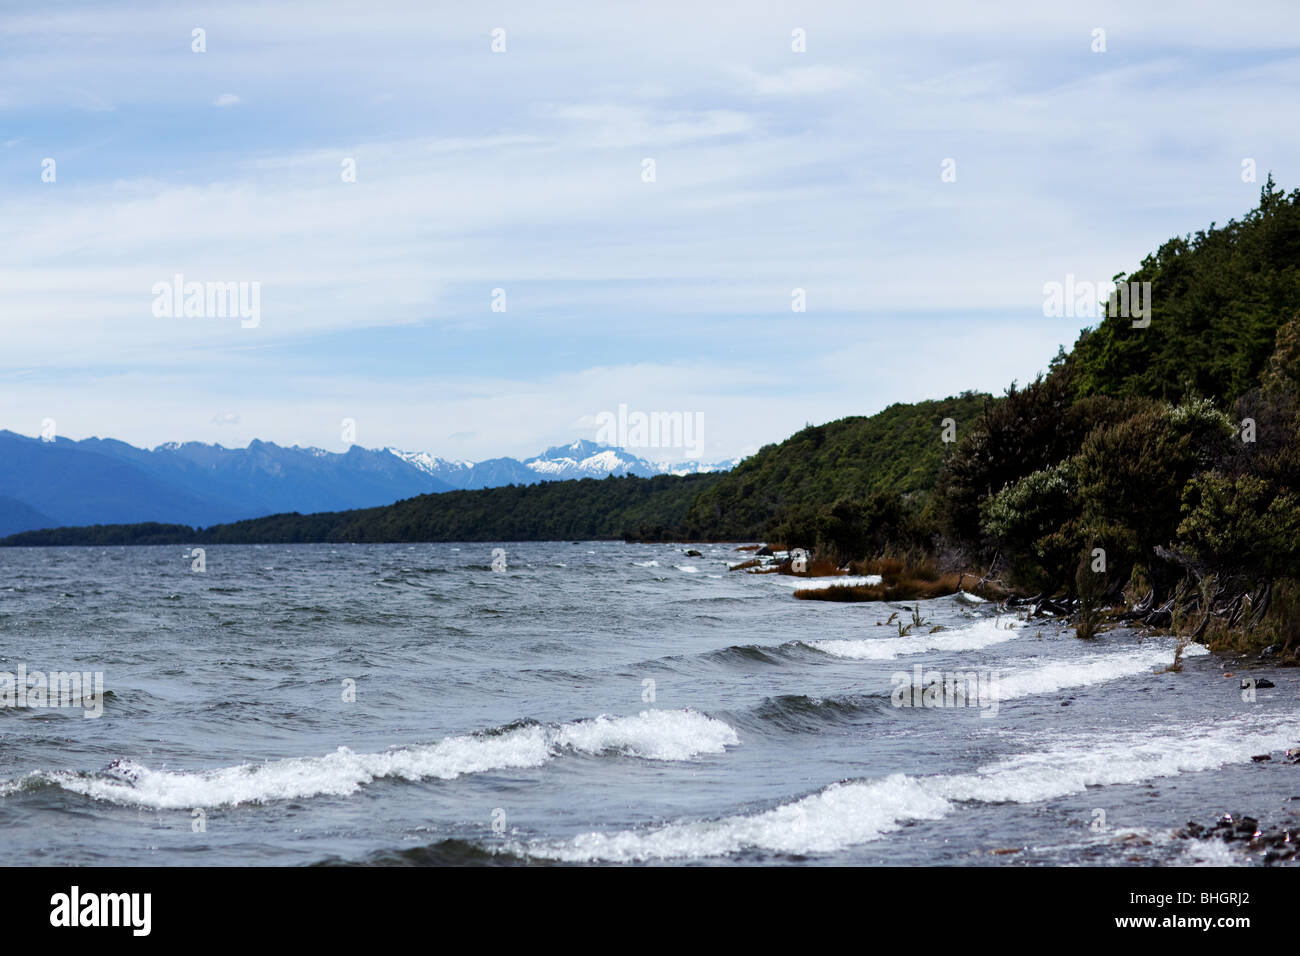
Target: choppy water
[(594, 702)]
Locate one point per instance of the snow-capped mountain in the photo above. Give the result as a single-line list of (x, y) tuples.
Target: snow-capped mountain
[(586, 459), (680, 468), (432, 465), (578, 459), (104, 481)]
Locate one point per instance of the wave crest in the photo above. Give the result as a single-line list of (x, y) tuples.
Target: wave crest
[(650, 735)]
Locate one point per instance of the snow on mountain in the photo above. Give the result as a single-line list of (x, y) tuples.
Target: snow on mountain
[(431, 464), (586, 459), (680, 468), (578, 459), (106, 481)]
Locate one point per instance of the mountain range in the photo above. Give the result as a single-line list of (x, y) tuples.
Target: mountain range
[(46, 484), (578, 459)]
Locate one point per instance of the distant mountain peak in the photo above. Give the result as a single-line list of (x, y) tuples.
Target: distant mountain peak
[(430, 464), (580, 458), (194, 483), (578, 448)]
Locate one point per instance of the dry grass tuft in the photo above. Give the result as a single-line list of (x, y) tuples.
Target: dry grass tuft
[(817, 568)]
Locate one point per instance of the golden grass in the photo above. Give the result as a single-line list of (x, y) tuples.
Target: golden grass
[(817, 568), (885, 567)]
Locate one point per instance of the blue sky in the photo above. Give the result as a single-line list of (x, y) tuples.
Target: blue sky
[(522, 170)]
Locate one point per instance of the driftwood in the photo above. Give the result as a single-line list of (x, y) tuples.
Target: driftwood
[(1261, 605), (992, 567), (1200, 628), (1236, 607), (1162, 616), (1058, 608), (1141, 609), (1190, 600)]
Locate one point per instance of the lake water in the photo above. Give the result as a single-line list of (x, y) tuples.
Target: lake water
[(595, 702)]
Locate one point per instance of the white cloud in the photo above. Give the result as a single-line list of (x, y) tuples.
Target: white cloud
[(522, 171)]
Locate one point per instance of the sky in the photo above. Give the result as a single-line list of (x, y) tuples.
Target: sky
[(920, 171)]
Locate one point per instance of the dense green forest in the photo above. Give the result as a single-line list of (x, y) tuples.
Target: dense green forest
[(1219, 298), (589, 509), (859, 468), (1159, 463), (1171, 446)]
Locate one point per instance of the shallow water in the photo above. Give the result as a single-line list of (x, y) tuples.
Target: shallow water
[(595, 702)]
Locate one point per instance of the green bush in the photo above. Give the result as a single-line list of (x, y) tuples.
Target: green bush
[(1027, 519), (1241, 527), (1131, 475), (1028, 430)]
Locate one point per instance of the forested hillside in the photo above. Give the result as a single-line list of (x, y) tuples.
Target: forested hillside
[(885, 462), (1162, 462), (1219, 297), (589, 508)]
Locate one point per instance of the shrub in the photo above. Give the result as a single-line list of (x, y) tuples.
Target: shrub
[(1028, 430), (1090, 585), (1241, 526), (1131, 475), (1026, 518)]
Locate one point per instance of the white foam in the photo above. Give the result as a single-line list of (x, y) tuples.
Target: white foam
[(1212, 853), (981, 634), (646, 564), (847, 814), (840, 815), (651, 735), (826, 581), (1094, 669), (687, 568)]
